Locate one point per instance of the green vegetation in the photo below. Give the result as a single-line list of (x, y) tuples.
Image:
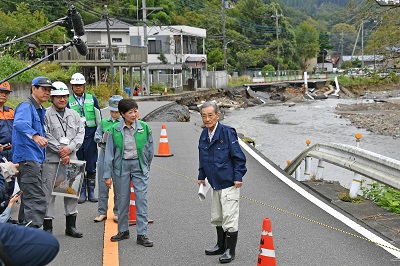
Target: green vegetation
[(306, 29), (384, 196), (251, 28), (358, 85), (344, 196)]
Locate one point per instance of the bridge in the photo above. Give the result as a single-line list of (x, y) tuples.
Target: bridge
[(293, 77)]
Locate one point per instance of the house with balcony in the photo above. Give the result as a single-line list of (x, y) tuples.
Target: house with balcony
[(125, 57), (173, 50), (173, 57)]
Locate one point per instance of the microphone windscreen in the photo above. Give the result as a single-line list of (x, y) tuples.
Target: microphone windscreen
[(81, 47), (77, 23)]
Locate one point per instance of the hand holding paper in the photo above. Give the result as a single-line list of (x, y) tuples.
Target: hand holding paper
[(203, 190)]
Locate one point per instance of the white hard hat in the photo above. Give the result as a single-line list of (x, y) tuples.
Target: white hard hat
[(60, 89), (77, 78)]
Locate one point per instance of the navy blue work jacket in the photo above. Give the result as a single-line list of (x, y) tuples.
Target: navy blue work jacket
[(221, 160)]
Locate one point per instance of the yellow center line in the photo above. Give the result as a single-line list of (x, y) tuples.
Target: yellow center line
[(110, 249)]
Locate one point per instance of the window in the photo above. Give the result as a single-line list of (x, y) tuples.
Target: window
[(116, 40), (154, 46)]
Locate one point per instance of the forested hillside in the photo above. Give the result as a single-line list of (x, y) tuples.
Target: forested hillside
[(309, 4), (305, 28)]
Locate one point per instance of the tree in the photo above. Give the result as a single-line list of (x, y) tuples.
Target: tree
[(307, 43), (385, 40), (162, 57), (23, 21), (343, 36)]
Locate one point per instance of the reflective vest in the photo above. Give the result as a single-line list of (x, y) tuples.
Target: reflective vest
[(107, 124), (88, 109)]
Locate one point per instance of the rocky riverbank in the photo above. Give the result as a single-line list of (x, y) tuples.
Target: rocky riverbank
[(379, 112)]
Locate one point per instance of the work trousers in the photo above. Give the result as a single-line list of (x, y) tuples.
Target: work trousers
[(49, 175), (103, 189), (88, 151), (131, 172), (225, 208), (27, 246), (33, 202)]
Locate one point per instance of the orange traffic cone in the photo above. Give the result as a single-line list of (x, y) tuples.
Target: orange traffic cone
[(266, 257), (132, 207), (165, 91), (163, 148)]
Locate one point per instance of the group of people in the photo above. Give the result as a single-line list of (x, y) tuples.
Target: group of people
[(72, 128)]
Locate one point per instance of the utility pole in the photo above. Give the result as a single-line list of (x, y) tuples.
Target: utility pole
[(147, 74), (223, 33), (146, 42), (109, 46), (362, 46), (277, 16)]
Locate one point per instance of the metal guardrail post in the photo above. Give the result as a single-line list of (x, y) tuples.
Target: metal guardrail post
[(297, 173), (320, 169), (307, 167), (356, 183)]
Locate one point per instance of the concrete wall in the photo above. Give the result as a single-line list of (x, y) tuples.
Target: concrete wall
[(20, 90), (216, 79)]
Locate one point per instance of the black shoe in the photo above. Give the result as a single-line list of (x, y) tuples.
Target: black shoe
[(144, 241), (120, 236)]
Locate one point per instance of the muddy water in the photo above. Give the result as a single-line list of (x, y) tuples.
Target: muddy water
[(280, 132)]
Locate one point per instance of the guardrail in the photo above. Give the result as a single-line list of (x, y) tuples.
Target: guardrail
[(290, 75), (369, 164)]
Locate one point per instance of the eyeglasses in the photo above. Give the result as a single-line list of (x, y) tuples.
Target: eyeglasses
[(4, 92), (61, 96)]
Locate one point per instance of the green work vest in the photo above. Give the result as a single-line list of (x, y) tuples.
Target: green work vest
[(106, 124), (140, 138), (88, 109)]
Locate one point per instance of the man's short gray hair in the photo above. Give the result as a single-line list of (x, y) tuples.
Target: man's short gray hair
[(212, 103)]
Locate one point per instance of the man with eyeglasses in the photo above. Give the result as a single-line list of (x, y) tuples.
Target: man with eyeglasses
[(223, 163), (64, 132), (29, 146)]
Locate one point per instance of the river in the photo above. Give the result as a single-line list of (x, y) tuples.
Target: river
[(280, 132)]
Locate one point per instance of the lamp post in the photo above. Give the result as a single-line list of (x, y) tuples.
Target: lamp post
[(277, 16)]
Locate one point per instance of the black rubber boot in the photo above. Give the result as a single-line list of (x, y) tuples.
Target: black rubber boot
[(82, 197), (91, 185), (231, 240), (219, 248), (48, 225), (70, 221)]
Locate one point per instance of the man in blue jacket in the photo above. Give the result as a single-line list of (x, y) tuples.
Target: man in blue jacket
[(29, 143), (223, 163)]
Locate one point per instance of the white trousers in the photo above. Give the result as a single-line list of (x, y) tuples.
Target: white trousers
[(225, 208)]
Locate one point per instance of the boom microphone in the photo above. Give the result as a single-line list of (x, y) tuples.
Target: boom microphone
[(81, 46), (77, 22)]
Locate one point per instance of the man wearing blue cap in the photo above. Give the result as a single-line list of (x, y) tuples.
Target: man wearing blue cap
[(29, 143)]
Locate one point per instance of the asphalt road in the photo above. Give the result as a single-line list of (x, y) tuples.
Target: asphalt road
[(303, 233)]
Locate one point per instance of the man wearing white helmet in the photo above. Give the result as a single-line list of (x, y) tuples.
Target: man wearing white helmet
[(85, 104), (65, 133)]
